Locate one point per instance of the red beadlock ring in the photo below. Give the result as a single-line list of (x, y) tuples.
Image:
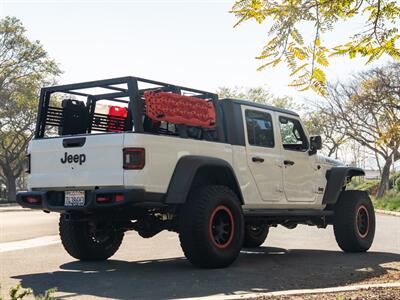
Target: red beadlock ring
[(221, 208), (362, 210)]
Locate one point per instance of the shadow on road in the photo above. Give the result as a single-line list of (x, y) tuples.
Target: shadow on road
[(264, 269)]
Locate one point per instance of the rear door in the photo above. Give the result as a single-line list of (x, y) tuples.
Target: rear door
[(79, 161), (298, 170), (263, 156)]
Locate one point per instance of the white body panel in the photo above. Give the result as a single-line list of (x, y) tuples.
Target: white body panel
[(162, 155)]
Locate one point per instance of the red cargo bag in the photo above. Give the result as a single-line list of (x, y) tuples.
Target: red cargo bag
[(179, 109)]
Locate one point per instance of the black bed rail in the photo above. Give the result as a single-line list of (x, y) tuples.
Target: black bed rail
[(124, 90)]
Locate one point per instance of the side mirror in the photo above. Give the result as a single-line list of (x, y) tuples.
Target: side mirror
[(315, 144)]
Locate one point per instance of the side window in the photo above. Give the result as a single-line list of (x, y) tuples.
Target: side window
[(259, 129), (292, 133)]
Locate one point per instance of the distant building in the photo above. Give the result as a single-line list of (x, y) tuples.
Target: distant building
[(372, 174)]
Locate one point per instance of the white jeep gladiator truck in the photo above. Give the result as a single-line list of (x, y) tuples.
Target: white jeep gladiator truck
[(136, 154)]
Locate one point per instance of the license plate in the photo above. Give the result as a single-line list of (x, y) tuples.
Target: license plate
[(74, 198)]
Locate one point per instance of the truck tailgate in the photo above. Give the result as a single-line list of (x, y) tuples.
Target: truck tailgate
[(80, 161)]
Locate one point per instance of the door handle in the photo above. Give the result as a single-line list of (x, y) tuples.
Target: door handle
[(288, 162), (257, 159)]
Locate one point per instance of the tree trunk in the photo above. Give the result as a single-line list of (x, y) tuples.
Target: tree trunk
[(384, 183), (11, 184), (378, 163), (11, 189)]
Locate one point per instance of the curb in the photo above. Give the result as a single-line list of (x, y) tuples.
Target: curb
[(338, 289), (388, 212)]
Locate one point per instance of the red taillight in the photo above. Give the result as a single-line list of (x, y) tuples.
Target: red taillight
[(33, 199), (133, 158), (119, 197), (104, 198), (108, 198)]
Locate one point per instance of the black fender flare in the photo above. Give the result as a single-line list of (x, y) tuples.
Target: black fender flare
[(336, 179), (185, 172)]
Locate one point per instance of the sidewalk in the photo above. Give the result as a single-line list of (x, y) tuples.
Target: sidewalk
[(11, 206)]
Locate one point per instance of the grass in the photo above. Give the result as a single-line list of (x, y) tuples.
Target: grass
[(18, 292), (391, 201)]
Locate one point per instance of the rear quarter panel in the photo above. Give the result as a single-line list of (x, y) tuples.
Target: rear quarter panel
[(162, 154)]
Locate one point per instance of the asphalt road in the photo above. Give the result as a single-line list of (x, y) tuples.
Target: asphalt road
[(305, 257)]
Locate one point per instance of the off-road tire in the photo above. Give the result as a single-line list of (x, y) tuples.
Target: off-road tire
[(202, 231), (80, 243), (255, 235), (354, 221)]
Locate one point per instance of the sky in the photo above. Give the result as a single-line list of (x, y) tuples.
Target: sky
[(189, 43)]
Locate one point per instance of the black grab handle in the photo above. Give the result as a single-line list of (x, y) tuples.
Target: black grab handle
[(257, 159), (74, 142), (288, 162)]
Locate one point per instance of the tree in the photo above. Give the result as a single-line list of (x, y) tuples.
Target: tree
[(307, 58), (319, 122), (24, 68), (368, 111), (258, 95)]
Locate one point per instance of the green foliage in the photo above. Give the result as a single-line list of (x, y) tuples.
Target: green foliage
[(307, 58), (391, 201), (394, 181), (24, 68), (18, 292), (397, 184), (258, 95), (368, 185), (371, 185), (48, 295)]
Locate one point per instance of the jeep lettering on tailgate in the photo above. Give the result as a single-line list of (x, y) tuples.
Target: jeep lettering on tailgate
[(77, 158)]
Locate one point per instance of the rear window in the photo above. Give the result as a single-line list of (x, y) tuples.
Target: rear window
[(259, 129)]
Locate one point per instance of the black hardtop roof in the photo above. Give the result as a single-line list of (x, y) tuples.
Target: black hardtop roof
[(258, 105)]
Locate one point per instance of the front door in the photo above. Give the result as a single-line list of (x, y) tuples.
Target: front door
[(298, 165), (263, 156)]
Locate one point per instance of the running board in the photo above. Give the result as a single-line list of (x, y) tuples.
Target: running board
[(286, 213)]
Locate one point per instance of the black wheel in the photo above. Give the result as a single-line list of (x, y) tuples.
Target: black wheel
[(89, 240), (354, 221), (255, 235), (211, 227)]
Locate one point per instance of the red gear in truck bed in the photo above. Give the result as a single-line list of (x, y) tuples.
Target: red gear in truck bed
[(116, 118), (179, 109)]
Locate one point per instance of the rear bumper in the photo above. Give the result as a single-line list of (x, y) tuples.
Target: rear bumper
[(54, 200)]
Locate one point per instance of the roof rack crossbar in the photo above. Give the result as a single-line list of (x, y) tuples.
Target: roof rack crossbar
[(115, 88), (86, 85), (109, 96), (76, 93), (108, 83)]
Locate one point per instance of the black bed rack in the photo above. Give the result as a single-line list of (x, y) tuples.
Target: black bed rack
[(129, 94)]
